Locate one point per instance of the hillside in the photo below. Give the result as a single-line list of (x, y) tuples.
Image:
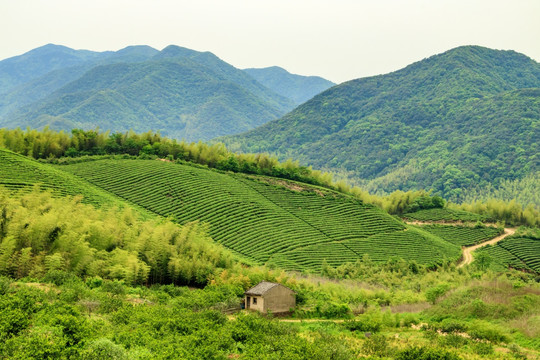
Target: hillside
[(180, 92), (19, 173), (463, 119), (295, 87), (268, 221)]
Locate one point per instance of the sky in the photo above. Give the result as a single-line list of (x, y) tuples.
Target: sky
[(337, 39)]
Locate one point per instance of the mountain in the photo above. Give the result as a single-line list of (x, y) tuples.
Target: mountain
[(57, 76), (454, 122), (295, 87), (40, 61), (181, 92)]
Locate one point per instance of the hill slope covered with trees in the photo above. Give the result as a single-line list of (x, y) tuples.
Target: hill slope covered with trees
[(455, 122), (296, 87)]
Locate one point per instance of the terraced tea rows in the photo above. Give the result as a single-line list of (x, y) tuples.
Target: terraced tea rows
[(409, 245), (443, 215), (261, 221), (19, 173), (516, 252), (463, 235)]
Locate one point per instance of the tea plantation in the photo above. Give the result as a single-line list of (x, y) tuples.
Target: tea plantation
[(444, 215), (463, 235), (517, 252), (19, 173), (290, 225)]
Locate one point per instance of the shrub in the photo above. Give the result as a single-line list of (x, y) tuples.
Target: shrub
[(483, 348), (433, 293), (60, 277), (376, 345), (426, 353), (363, 325), (485, 331), (452, 325), (104, 349)]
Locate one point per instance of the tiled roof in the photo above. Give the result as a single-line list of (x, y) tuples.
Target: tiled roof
[(261, 288)]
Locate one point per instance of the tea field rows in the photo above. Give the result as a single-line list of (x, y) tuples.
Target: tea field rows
[(463, 235), (19, 173), (517, 252), (294, 228)]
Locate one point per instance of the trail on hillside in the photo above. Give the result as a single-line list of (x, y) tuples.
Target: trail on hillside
[(467, 251)]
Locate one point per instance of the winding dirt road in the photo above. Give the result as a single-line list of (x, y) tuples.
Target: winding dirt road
[(467, 251)]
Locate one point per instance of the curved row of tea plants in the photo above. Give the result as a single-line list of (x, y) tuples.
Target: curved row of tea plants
[(261, 221), (19, 173), (521, 253), (463, 235), (408, 245), (444, 214)]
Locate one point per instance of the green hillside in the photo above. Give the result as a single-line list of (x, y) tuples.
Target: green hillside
[(455, 122), (286, 224), (443, 215), (19, 173), (295, 87)]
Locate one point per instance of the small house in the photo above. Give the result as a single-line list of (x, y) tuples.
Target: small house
[(268, 296)]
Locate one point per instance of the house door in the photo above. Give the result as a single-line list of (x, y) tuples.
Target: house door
[(248, 302)]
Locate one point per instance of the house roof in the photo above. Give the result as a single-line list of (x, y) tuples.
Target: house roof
[(262, 288)]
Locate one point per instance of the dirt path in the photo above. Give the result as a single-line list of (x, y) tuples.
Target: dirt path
[(467, 251)]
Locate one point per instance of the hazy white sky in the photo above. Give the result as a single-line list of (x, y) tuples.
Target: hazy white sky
[(337, 39)]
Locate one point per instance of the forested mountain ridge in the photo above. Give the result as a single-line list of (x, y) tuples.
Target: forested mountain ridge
[(40, 61), (450, 122), (296, 87), (178, 91), (56, 66)]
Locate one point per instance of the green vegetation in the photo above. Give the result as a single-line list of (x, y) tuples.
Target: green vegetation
[(40, 235), (76, 297), (463, 235), (60, 148), (457, 122), (295, 87), (446, 214), (520, 251), (20, 173), (286, 224)]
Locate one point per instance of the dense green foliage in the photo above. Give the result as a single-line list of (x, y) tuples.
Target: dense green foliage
[(287, 224), (40, 234), (295, 87), (455, 122), (463, 235), (180, 92), (507, 211), (51, 145)]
